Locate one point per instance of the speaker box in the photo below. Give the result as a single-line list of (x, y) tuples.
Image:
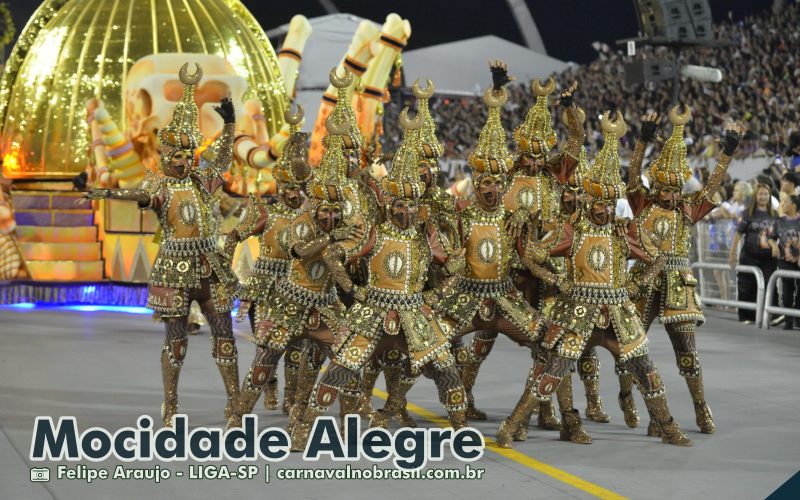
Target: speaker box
[(649, 70), (675, 19)]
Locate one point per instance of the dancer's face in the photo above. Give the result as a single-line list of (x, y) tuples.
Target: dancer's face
[(569, 201), (292, 196), (602, 212), (328, 216), (403, 213), (490, 190), (668, 197), (180, 164)]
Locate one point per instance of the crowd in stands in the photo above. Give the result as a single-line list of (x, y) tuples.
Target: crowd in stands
[(760, 88)]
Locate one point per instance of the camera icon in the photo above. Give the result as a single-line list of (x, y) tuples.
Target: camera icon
[(40, 475)]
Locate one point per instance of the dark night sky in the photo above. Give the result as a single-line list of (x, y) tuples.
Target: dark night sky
[(567, 27)]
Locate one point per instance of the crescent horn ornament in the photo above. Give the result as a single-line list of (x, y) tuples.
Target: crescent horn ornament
[(543, 89), (336, 129), (188, 79), (678, 118), (407, 124), (495, 99), (340, 82), (294, 118), (616, 127), (425, 93)]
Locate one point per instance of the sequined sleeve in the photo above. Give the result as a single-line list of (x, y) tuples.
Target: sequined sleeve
[(224, 149)]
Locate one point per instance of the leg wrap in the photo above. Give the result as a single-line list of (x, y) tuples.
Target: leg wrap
[(481, 345), (646, 375), (328, 388), (176, 341), (589, 366), (546, 377), (683, 343), (221, 324), (450, 388)]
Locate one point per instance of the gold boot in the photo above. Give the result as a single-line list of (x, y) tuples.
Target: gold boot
[(230, 377), (226, 356), (403, 416), (468, 377), (170, 372), (572, 428), (249, 393), (571, 425), (547, 417), (524, 426), (670, 432), (510, 426), (382, 417), (306, 378), (594, 405), (302, 428), (626, 402), (348, 405), (290, 387), (305, 386), (368, 380), (271, 395), (703, 417), (458, 419), (653, 430)]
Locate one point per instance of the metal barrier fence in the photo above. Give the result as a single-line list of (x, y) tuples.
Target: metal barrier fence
[(757, 306), (712, 243), (771, 290)]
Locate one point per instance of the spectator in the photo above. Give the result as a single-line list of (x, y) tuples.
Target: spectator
[(790, 182), (757, 223), (761, 70), (784, 246)]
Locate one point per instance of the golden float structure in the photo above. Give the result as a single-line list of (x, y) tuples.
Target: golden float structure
[(75, 52)]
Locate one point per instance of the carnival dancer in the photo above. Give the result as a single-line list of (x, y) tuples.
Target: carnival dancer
[(271, 223), (436, 214), (596, 308), (391, 311), (486, 300), (189, 266), (564, 172), (669, 214), (305, 303)]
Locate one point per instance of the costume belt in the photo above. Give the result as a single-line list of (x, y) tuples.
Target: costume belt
[(306, 297), (485, 289), (268, 265), (189, 246), (398, 300), (675, 262), (600, 295)]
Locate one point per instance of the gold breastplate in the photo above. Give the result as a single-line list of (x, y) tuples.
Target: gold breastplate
[(670, 227), (185, 215), (311, 274), (599, 257), (276, 238), (535, 194), (488, 246), (399, 262)]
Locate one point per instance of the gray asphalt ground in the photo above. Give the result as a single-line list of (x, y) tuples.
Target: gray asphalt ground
[(103, 368)]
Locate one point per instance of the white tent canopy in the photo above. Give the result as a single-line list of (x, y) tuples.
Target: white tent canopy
[(455, 68), (461, 67), (330, 37)]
